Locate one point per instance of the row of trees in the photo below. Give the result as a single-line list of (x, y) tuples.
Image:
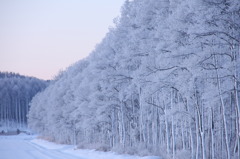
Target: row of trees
[(164, 81), (16, 92)]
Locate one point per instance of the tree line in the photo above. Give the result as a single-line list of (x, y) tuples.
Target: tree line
[(164, 80)]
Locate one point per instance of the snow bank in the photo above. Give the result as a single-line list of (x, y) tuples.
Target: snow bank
[(49, 145), (85, 153), (92, 154)]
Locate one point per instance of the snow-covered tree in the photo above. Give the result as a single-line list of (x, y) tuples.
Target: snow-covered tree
[(164, 81)]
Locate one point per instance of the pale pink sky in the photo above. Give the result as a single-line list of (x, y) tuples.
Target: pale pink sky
[(40, 37)]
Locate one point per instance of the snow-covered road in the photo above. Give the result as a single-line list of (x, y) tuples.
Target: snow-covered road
[(29, 147), (22, 148)]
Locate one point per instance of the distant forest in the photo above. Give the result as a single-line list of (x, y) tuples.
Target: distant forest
[(16, 92)]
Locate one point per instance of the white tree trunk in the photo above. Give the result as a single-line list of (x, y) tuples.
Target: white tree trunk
[(223, 110), (173, 138)]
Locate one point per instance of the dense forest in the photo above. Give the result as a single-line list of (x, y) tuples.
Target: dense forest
[(16, 92), (164, 81)]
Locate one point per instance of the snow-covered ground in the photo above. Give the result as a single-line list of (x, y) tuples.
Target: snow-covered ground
[(29, 147)]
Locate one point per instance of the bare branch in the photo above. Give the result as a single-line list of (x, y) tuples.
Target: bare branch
[(155, 69), (155, 105)]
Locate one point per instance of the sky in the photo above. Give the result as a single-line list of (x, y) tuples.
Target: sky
[(41, 37)]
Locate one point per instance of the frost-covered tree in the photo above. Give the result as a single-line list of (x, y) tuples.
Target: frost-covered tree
[(164, 81)]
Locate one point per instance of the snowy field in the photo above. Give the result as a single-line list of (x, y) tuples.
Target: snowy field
[(29, 147)]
